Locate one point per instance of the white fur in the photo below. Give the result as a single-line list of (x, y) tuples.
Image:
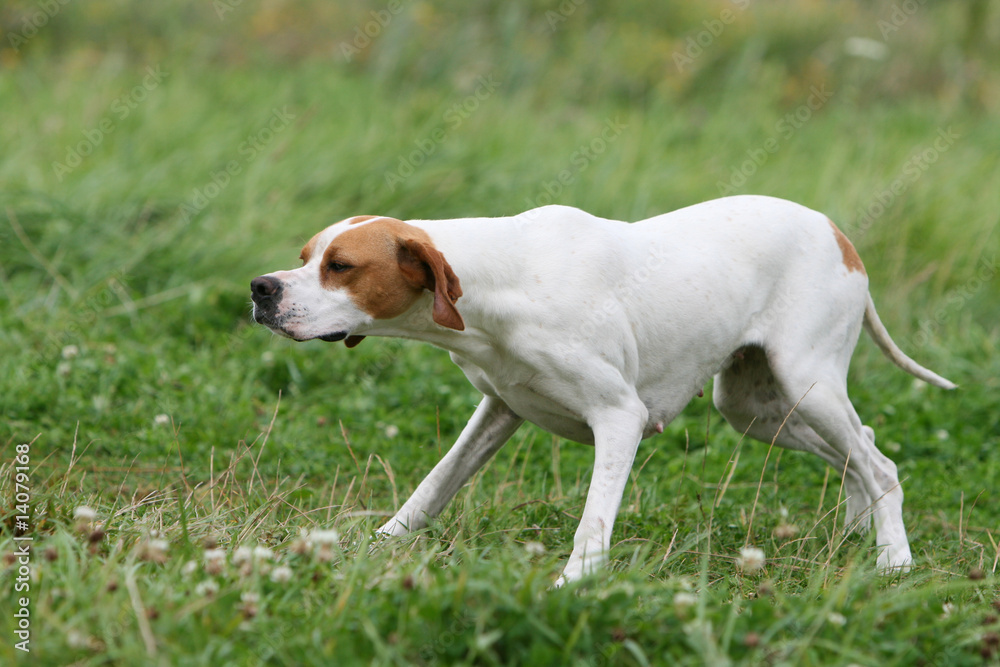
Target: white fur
[(315, 311), (601, 332)]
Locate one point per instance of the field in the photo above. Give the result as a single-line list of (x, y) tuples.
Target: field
[(157, 156)]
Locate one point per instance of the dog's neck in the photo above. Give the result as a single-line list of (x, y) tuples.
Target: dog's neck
[(478, 284)]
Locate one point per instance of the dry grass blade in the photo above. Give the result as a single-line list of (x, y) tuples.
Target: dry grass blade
[(774, 440), (50, 269), (267, 434), (140, 613)]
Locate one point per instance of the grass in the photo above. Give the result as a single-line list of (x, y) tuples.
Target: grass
[(132, 370)]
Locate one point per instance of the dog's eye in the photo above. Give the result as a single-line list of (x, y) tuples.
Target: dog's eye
[(338, 267)]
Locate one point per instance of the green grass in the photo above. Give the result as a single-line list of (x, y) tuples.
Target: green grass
[(130, 365)]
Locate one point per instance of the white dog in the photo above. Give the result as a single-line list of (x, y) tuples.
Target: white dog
[(601, 332)]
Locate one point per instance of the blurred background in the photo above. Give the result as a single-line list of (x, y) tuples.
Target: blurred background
[(157, 156)]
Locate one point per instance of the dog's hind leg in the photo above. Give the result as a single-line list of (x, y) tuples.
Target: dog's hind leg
[(821, 392), (751, 400)]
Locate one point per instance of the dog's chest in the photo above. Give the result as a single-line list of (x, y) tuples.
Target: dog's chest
[(513, 384)]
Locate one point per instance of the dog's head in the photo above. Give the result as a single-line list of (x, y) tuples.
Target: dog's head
[(357, 271)]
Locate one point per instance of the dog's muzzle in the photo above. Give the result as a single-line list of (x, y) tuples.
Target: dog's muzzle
[(266, 294)]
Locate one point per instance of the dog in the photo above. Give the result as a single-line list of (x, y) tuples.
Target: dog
[(601, 331)]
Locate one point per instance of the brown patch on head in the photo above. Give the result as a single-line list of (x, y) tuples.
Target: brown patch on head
[(308, 248), (385, 265), (851, 259)]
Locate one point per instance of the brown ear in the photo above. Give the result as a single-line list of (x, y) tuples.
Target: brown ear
[(423, 265)]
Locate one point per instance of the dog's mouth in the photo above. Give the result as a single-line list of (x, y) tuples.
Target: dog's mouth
[(278, 327), (269, 321), (349, 340)]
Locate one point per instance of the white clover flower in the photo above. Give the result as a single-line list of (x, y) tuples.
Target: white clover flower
[(786, 531), (391, 431), (161, 420), (154, 550), (242, 555), (864, 47), (84, 513), (262, 553), (836, 618), (207, 588), (281, 574), (159, 545), (215, 561), (70, 351), (534, 548), (76, 639), (214, 554), (683, 601), (321, 537), (301, 545), (249, 604), (246, 558), (189, 568), (751, 560)]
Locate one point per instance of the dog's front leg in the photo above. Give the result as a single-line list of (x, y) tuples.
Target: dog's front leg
[(616, 438), (491, 426)]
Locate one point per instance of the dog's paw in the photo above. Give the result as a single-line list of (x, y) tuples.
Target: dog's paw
[(378, 540), (894, 561)]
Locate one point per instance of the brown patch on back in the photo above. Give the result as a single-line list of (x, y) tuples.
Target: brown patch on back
[(376, 280), (851, 259)]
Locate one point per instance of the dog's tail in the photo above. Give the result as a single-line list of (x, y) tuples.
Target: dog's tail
[(875, 329)]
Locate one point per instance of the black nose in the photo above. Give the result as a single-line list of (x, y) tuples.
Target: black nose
[(265, 288)]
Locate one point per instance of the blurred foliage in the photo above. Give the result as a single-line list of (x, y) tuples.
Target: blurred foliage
[(570, 50)]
